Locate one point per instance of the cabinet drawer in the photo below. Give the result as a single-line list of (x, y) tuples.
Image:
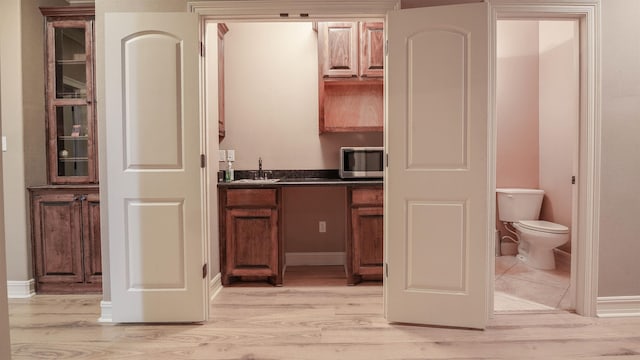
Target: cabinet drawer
[(252, 197), (366, 196)]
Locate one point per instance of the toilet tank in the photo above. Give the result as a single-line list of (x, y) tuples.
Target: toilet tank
[(519, 204)]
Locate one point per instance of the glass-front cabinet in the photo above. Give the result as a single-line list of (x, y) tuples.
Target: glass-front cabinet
[(71, 148)]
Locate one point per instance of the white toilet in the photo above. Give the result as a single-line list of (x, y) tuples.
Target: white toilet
[(519, 209)]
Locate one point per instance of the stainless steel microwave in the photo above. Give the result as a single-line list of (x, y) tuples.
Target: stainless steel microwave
[(361, 162)]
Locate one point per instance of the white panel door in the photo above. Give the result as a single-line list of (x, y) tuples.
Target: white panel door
[(437, 182), (153, 161)]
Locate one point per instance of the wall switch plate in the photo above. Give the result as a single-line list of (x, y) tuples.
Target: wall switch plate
[(222, 155), (4, 143), (231, 155), (322, 226)]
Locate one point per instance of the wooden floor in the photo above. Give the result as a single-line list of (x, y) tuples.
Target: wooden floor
[(308, 322)]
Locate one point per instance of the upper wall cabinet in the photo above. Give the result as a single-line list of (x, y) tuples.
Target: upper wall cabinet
[(350, 49), (69, 96), (351, 66), (371, 49), (338, 47)]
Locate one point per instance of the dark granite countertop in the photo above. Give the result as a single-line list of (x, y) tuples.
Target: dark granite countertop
[(295, 178)]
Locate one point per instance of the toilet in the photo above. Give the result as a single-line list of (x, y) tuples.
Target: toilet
[(519, 210)]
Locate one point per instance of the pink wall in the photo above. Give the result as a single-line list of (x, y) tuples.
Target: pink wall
[(537, 111), (558, 118), (517, 104)]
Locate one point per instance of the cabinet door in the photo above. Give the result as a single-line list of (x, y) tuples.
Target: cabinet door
[(338, 44), (371, 49), (91, 239), (57, 232), (70, 102), (367, 240), (251, 243)]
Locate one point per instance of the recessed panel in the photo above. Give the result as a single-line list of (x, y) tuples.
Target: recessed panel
[(437, 100), (155, 244), (152, 98), (436, 247)]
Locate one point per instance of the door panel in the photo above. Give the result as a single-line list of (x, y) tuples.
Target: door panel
[(154, 183), (436, 185)]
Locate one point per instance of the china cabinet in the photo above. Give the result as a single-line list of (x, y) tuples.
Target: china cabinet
[(69, 95), (65, 213)]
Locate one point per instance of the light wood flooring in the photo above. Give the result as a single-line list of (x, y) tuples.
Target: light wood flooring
[(323, 320)]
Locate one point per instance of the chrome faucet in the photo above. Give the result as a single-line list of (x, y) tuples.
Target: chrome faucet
[(260, 172)]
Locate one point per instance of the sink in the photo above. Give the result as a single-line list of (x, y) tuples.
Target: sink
[(255, 181)]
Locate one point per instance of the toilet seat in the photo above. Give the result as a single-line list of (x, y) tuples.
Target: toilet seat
[(544, 226)]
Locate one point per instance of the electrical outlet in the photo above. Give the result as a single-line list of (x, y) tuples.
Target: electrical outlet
[(322, 226), (231, 155), (222, 155)]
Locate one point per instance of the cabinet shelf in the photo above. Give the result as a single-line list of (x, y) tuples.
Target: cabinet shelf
[(71, 62), (73, 159), (73, 138)]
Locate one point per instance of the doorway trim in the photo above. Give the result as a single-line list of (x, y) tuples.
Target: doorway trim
[(584, 263), (584, 259)]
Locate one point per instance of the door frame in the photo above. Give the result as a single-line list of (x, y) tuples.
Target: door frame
[(584, 254), (584, 260)]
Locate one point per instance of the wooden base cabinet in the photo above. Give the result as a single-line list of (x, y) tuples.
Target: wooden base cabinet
[(66, 239), (365, 245), (249, 235)]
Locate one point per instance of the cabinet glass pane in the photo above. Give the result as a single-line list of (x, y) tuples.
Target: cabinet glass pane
[(71, 68), (73, 140)]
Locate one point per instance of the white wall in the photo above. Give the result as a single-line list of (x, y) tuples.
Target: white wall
[(271, 99)]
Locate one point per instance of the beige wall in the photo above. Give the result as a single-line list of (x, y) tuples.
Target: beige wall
[(23, 123), (5, 343), (271, 99), (619, 270), (559, 116), (303, 208)]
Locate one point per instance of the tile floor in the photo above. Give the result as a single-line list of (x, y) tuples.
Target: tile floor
[(519, 287)]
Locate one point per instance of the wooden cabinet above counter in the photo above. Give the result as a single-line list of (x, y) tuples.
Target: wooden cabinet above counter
[(350, 84)]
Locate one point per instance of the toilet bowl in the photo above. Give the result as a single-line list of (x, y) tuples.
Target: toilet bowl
[(519, 209), (538, 238)]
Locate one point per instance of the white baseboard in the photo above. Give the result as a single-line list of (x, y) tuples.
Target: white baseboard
[(106, 312), (618, 306), (215, 285), (21, 289), (314, 258)]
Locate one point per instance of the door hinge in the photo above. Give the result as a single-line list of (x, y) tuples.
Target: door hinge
[(203, 161), (204, 271), (386, 269), (573, 179), (201, 49), (387, 160)]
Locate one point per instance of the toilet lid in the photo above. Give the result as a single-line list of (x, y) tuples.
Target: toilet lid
[(544, 226)]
